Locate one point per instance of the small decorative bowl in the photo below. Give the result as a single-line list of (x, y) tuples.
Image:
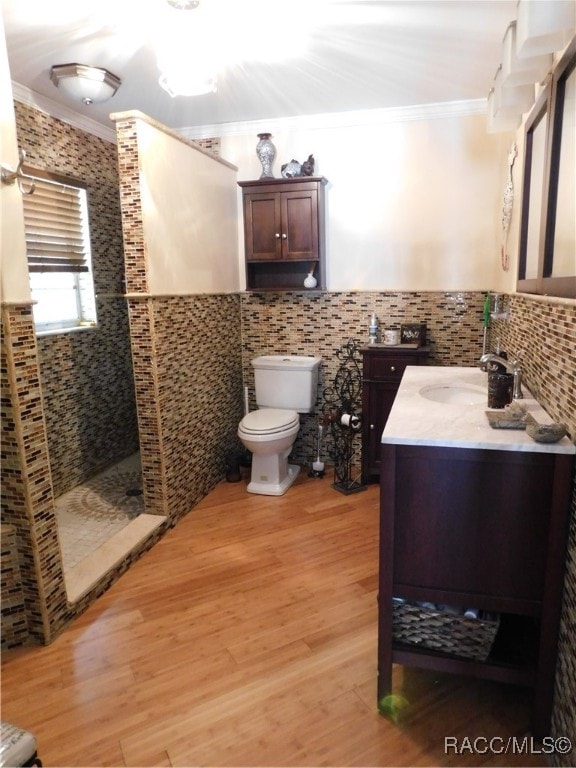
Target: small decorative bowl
[(545, 433)]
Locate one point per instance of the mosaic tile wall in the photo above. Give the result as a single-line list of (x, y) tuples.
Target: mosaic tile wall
[(87, 379), (14, 621), (27, 501), (319, 323), (199, 393), (64, 437), (131, 207), (212, 145), (189, 389), (187, 367), (542, 334)]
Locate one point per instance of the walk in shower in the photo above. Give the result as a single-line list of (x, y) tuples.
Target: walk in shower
[(92, 513)]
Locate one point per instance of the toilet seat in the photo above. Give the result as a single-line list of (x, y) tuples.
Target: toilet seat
[(269, 421)]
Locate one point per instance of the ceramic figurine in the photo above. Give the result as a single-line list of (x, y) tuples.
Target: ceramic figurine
[(291, 169), (308, 166)]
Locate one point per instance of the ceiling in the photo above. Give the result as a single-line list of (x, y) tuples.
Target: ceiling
[(343, 55)]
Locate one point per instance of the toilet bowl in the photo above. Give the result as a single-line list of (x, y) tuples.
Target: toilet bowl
[(285, 386), (269, 433)]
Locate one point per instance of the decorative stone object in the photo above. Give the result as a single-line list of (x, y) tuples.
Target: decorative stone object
[(545, 433)]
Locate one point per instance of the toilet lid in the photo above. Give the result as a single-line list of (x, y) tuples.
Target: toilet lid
[(266, 421)]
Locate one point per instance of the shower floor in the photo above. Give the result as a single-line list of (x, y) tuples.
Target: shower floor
[(89, 515)]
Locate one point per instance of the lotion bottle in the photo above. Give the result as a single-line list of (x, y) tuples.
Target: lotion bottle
[(373, 329)]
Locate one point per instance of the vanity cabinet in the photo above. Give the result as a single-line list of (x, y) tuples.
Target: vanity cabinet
[(476, 518), (283, 232), (382, 369)]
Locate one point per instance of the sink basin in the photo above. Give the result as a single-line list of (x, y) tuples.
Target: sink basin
[(455, 394)]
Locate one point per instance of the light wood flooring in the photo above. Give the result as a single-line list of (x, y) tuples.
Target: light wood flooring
[(247, 637)]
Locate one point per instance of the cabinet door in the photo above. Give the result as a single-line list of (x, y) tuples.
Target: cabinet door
[(299, 235), (380, 399), (263, 226)]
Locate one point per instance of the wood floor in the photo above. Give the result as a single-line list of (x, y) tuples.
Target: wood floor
[(247, 637)]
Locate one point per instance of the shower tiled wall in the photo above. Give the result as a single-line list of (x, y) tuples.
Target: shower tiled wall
[(27, 501), (69, 399), (14, 619), (87, 380), (189, 389)]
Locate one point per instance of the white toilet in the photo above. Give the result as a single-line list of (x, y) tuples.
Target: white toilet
[(285, 386)]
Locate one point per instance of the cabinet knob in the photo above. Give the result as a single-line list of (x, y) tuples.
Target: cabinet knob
[(284, 236), (371, 426), (392, 367), (277, 235)]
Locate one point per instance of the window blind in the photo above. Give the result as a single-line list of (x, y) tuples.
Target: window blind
[(55, 230)]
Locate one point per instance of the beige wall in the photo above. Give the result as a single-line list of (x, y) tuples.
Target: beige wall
[(14, 286), (190, 216), (411, 205)]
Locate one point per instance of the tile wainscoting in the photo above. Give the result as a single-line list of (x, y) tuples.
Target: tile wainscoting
[(319, 323), (541, 332)]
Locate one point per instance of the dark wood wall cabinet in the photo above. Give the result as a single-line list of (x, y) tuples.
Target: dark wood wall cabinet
[(382, 369), (284, 232), (482, 528)]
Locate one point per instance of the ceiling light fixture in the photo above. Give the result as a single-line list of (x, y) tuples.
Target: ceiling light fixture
[(544, 27), (91, 85), (517, 71), (178, 83), (180, 73), (183, 5)]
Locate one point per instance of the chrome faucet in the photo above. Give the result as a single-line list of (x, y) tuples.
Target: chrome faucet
[(511, 366)]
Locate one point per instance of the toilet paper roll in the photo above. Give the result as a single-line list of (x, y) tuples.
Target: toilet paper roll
[(348, 420)]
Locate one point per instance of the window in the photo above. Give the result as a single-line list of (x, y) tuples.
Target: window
[(58, 249)]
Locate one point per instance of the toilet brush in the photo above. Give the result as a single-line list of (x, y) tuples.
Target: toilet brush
[(318, 466)]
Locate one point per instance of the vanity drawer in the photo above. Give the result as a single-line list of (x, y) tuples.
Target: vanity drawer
[(388, 367)]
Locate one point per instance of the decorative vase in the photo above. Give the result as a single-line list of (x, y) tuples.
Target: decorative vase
[(266, 152), (310, 281)]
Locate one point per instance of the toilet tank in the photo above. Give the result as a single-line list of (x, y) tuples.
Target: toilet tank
[(286, 381)]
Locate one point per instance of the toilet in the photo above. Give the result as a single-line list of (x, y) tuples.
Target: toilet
[(285, 386)]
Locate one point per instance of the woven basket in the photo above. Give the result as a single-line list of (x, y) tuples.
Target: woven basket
[(439, 631)]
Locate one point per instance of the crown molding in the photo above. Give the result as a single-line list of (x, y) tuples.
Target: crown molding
[(325, 121), (53, 108)]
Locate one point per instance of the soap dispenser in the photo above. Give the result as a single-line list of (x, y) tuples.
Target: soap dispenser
[(373, 329)]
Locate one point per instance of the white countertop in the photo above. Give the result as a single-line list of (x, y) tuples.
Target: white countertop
[(417, 420)]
